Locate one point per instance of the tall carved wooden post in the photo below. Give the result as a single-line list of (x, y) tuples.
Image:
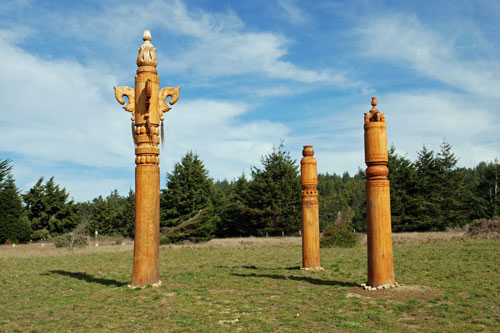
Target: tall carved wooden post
[(147, 104), (310, 211), (378, 201)]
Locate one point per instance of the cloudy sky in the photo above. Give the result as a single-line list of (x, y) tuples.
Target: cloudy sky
[(252, 73)]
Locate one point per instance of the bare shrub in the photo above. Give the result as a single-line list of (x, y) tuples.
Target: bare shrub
[(484, 228)]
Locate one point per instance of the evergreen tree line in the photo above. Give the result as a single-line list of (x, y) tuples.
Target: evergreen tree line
[(430, 193)]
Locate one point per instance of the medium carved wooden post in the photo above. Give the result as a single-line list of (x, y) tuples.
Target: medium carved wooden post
[(310, 211), (378, 201), (147, 104)]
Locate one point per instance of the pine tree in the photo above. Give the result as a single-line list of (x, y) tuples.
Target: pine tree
[(189, 189), (485, 184), (14, 224), (5, 171), (189, 192), (355, 189), (103, 217), (49, 208), (427, 211), (274, 196), (236, 217), (452, 194), (127, 215), (113, 215), (402, 177), (332, 197)]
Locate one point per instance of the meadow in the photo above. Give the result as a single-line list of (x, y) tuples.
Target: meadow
[(252, 285)]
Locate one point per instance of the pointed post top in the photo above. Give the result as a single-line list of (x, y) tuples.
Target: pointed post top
[(147, 52)]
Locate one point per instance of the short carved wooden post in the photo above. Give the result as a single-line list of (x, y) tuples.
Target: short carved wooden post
[(378, 201), (310, 211), (147, 104)]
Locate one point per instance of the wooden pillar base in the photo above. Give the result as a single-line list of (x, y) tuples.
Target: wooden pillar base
[(147, 226), (310, 211), (379, 236)]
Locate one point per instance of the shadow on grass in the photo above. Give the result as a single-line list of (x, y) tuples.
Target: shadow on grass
[(293, 268), (301, 278), (88, 278)]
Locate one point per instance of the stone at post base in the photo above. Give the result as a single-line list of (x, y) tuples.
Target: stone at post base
[(154, 285), (313, 269), (366, 286)]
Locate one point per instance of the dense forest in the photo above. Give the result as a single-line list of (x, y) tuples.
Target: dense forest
[(430, 193)]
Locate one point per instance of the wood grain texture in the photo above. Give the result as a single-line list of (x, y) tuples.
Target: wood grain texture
[(378, 201), (310, 210), (147, 104)]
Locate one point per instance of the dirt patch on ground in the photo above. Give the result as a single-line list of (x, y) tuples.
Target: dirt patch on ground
[(400, 294)]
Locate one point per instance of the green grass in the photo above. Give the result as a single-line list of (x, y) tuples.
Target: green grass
[(448, 286)]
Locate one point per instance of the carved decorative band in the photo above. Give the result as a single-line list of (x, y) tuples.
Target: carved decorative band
[(143, 69), (147, 160), (374, 125), (143, 130), (377, 170), (139, 151), (309, 193), (310, 204), (377, 183)]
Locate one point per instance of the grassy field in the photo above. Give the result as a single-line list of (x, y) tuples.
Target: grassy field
[(252, 286)]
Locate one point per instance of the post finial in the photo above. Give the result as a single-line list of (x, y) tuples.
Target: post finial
[(147, 52), (374, 114), (308, 151)]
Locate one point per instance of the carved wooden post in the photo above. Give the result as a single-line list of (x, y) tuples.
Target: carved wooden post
[(310, 211), (147, 104), (378, 201)]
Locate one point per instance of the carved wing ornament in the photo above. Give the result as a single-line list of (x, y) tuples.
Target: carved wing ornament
[(166, 92), (130, 93)]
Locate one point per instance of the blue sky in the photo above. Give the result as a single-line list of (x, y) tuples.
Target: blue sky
[(252, 73)]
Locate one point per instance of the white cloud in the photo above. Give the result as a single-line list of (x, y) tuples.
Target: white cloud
[(60, 110), (275, 91), (212, 129), (295, 14), (194, 41), (414, 119), (404, 39), (63, 112)]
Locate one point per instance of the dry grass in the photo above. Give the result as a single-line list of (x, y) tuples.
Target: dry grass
[(114, 245), (251, 285), (47, 249)]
